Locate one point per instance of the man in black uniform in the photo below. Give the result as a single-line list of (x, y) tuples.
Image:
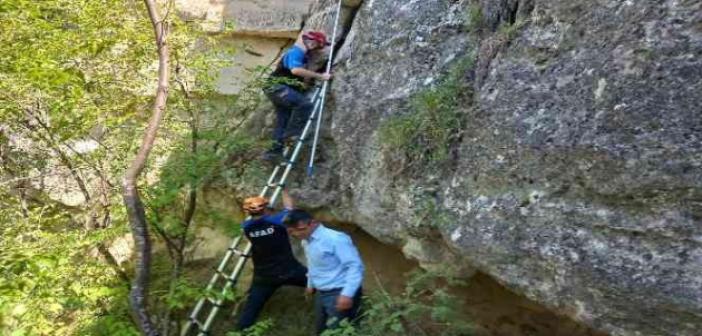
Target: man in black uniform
[(273, 259)]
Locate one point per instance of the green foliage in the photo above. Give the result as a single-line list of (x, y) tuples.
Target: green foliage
[(508, 31), (426, 307), (184, 294), (185, 167), (424, 136), (76, 71), (66, 62), (429, 212), (475, 18), (229, 25), (345, 328), (42, 291), (261, 328)]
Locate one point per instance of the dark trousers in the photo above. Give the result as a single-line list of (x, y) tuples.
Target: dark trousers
[(326, 315), (262, 288), (292, 110)]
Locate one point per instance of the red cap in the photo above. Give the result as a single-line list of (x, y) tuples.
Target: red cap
[(316, 36)]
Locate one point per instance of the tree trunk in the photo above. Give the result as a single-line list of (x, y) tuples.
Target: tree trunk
[(135, 209)]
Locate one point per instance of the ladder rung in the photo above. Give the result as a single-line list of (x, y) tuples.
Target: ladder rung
[(238, 252), (195, 322), (214, 303), (222, 274), (226, 277), (198, 324)]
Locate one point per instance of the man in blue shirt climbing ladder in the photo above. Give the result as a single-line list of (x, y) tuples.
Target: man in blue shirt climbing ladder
[(273, 260), (335, 269), (285, 90)]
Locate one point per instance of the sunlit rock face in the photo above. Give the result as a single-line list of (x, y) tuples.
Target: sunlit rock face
[(256, 29), (277, 18)]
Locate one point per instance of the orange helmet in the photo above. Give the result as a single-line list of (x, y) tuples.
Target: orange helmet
[(255, 205)]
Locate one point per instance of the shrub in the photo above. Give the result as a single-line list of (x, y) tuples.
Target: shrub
[(425, 135), (425, 307)]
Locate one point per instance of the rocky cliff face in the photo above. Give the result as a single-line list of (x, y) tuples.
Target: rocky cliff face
[(572, 172)]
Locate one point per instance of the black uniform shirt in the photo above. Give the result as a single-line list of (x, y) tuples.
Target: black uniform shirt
[(271, 252)]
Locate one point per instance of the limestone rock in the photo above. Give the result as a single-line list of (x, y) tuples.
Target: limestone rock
[(251, 52), (256, 29), (281, 19)]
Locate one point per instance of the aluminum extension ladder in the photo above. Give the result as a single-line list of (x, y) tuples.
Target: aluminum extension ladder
[(196, 326)]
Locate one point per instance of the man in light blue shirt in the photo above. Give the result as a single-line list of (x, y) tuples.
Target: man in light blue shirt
[(335, 269)]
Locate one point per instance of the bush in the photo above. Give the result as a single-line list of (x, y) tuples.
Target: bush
[(475, 20), (426, 307), (425, 135)]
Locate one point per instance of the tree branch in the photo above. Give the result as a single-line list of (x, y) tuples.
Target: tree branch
[(53, 144), (166, 237), (56, 144), (192, 188), (135, 208)]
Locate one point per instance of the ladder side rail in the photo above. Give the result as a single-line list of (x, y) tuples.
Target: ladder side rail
[(230, 283), (315, 100), (315, 112), (210, 285), (310, 166)]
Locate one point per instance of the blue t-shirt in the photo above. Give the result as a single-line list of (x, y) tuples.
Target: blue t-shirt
[(294, 58)]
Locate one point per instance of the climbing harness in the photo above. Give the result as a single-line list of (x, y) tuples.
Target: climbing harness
[(225, 272)]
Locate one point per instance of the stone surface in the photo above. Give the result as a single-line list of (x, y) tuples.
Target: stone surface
[(258, 30), (122, 249), (323, 15), (251, 52), (274, 18), (282, 18), (576, 179)]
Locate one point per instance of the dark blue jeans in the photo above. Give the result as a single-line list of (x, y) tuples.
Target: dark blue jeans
[(326, 315), (292, 110), (262, 288)]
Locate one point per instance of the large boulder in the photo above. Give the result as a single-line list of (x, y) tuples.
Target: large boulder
[(575, 175)]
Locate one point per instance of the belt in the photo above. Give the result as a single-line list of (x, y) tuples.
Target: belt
[(329, 291)]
